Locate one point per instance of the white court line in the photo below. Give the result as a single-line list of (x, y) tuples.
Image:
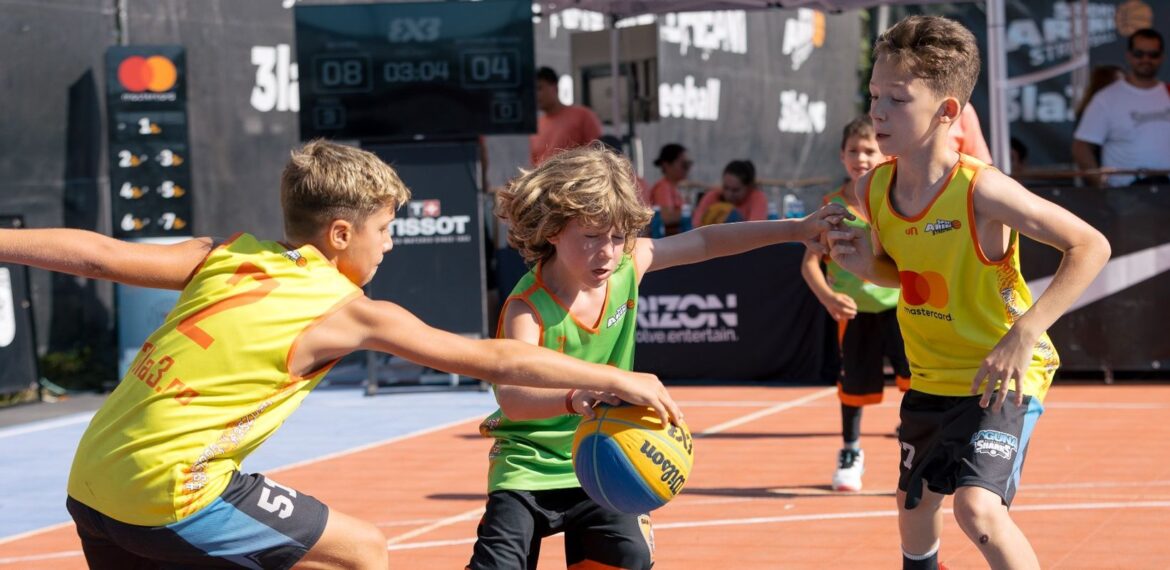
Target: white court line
[(46, 425), (766, 412), (469, 515), (368, 446), (726, 522)]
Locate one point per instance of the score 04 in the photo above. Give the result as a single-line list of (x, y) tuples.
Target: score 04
[(491, 69)]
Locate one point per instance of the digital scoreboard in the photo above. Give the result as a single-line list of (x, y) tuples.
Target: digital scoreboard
[(416, 70), (149, 155)]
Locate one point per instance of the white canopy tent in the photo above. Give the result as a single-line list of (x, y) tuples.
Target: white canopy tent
[(996, 54)]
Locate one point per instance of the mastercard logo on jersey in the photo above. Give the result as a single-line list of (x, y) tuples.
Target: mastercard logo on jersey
[(155, 73)]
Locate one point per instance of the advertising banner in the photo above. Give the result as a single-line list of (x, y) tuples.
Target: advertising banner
[(18, 359)]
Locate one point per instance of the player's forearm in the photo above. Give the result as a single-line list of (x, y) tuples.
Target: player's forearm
[(522, 364), (1078, 268), (814, 277), (76, 252), (523, 403), (721, 240)]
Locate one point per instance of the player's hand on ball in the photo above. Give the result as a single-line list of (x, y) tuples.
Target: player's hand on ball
[(646, 390), (583, 401)]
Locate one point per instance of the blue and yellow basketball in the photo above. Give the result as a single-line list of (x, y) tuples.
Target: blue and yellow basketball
[(628, 462)]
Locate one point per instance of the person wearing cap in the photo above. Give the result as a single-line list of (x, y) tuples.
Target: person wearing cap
[(675, 163)]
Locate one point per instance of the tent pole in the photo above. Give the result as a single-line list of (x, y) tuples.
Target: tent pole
[(997, 82), (615, 104)]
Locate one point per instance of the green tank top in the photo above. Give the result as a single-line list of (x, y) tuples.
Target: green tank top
[(870, 298), (535, 455)]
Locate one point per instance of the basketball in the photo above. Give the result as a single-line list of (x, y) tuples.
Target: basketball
[(628, 462)]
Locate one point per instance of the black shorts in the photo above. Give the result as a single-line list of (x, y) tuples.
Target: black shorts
[(255, 523), (950, 442), (867, 338), (510, 532)]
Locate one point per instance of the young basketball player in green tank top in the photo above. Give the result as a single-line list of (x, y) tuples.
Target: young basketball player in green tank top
[(867, 321), (945, 228), (577, 217)]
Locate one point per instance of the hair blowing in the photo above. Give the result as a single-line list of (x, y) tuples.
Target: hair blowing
[(589, 184)]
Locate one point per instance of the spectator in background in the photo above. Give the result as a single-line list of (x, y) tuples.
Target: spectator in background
[(967, 136), (1100, 77), (738, 200), (560, 126), (675, 163), (1129, 120), (1019, 157)]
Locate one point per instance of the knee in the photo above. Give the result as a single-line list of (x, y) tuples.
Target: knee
[(371, 543), (978, 511)]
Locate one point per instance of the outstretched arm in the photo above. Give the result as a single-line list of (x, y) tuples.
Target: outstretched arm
[(386, 327), (1001, 201), (89, 254), (718, 240)]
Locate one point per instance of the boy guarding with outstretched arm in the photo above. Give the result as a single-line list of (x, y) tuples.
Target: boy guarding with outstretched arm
[(577, 217), (156, 481), (946, 228), (867, 321)]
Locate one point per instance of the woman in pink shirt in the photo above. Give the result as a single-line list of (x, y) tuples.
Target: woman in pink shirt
[(736, 201), (675, 164)]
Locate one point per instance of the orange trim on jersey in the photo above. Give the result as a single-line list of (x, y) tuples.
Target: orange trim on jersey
[(869, 190), (902, 382), (293, 378), (855, 400), (1009, 252), (596, 328), (841, 326), (523, 298), (938, 193), (593, 565)]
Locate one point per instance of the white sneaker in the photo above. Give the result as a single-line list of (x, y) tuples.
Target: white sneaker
[(850, 466)]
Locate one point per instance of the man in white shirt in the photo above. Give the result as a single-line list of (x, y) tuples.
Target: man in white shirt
[(1130, 119)]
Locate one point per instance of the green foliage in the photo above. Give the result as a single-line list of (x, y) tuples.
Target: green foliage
[(78, 369)]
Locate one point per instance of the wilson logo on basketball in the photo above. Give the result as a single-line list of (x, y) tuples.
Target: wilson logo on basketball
[(926, 288), (155, 73)]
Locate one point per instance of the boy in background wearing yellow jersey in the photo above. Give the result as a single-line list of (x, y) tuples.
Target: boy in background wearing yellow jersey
[(577, 217), (156, 480), (864, 312), (945, 227)]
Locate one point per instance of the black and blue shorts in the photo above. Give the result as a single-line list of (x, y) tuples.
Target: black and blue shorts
[(950, 442), (255, 523)]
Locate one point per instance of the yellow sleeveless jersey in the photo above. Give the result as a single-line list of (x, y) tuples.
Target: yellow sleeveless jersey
[(956, 304), (210, 385)]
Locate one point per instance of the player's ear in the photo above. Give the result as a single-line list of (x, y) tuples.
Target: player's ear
[(949, 110), (340, 234)]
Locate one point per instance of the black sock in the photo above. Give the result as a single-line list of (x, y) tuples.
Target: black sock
[(850, 423), (927, 561)]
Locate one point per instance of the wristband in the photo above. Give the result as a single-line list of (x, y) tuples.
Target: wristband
[(569, 401)]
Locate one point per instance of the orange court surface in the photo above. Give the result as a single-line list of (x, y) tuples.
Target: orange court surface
[(1095, 491)]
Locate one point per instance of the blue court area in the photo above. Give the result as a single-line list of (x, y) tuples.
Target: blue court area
[(35, 456)]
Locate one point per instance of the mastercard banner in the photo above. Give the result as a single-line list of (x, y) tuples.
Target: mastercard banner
[(146, 74)]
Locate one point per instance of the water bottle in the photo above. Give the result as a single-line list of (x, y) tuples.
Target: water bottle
[(773, 211), (684, 223), (793, 207), (657, 229)]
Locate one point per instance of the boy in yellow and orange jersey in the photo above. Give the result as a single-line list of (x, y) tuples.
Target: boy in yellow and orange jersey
[(867, 321), (156, 480), (945, 227)]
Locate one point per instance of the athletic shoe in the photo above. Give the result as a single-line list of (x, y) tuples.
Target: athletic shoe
[(850, 466)]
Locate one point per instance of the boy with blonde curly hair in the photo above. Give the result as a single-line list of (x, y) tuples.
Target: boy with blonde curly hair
[(576, 219), (156, 480)]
